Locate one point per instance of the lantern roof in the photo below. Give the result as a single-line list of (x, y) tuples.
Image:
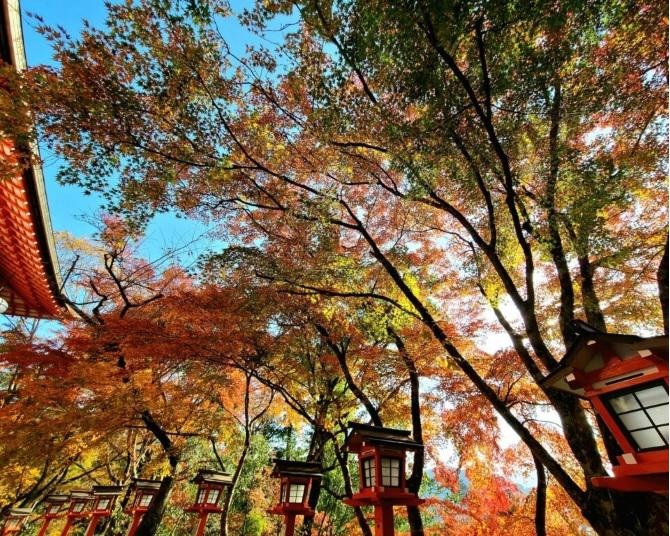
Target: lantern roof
[(146, 484), (18, 512), (295, 468), (30, 281), (106, 491), (588, 354), (80, 494), (208, 476), (361, 435), (56, 498)]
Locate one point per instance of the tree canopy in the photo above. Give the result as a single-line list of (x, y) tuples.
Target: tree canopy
[(417, 200)]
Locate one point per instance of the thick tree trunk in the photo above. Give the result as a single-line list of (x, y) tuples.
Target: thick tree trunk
[(590, 301), (151, 520), (597, 506), (613, 513), (566, 314), (415, 479), (540, 499), (662, 277)]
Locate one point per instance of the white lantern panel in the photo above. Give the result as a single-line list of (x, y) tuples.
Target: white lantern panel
[(369, 472), (659, 414), (635, 420), (391, 472), (212, 496), (653, 396), (647, 439), (296, 493), (624, 403)]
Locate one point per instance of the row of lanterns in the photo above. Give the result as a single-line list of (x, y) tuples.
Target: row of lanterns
[(625, 378), (381, 453), (99, 503)]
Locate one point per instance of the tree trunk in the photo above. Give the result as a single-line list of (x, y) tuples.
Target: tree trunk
[(540, 499), (225, 507), (151, 520), (599, 507), (662, 276), (414, 481)]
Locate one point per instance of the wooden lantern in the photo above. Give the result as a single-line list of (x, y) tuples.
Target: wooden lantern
[(299, 482), (625, 378), (13, 520), (145, 492), (211, 485), (104, 498), (381, 458), (79, 500), (55, 505)]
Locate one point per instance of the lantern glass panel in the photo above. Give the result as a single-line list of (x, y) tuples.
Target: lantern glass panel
[(54, 509), (103, 504), (296, 493), (624, 403), (212, 496), (391, 472), (282, 495), (643, 413), (635, 419), (369, 472), (652, 397), (145, 500), (14, 523), (78, 507), (647, 439), (201, 496)]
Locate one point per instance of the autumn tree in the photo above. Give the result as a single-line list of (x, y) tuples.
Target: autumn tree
[(448, 152)]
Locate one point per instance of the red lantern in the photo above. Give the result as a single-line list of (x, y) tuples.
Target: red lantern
[(625, 378), (145, 491), (13, 520), (210, 487), (55, 505), (79, 500), (104, 498), (381, 457), (299, 481)]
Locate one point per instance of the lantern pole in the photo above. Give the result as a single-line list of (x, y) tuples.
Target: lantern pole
[(51, 501), (105, 498), (199, 527), (93, 524), (137, 517), (297, 481), (384, 521), (143, 488), (45, 526), (289, 524), (381, 457), (211, 485), (68, 524)]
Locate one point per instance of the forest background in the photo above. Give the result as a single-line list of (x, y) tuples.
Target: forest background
[(407, 206)]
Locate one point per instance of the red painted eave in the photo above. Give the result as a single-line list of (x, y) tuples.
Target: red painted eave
[(29, 272)]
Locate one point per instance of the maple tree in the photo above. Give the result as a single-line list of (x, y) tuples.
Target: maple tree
[(437, 161)]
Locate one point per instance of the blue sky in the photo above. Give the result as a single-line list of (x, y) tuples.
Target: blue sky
[(67, 203)]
